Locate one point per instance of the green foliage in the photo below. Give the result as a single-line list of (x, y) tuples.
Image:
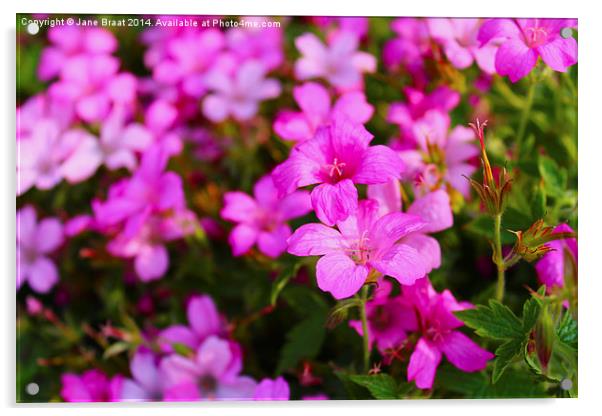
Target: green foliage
[(381, 386)]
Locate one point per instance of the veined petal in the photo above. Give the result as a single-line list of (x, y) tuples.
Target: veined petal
[(378, 165), (559, 54), (464, 353), (314, 240), (515, 59), (435, 210), (338, 274), (427, 247), (334, 203), (402, 262), (423, 364)]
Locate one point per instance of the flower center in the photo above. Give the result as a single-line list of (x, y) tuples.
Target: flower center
[(207, 384), (335, 170), (536, 36), (360, 249), (381, 318)]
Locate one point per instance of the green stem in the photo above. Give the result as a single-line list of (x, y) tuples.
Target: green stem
[(497, 258), (365, 330), (525, 118)]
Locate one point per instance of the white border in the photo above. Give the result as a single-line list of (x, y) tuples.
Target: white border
[(590, 137)]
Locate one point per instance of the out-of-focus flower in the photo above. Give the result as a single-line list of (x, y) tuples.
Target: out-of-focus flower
[(363, 243), (262, 43), (146, 383), (67, 42), (318, 396), (441, 157), (93, 85), (34, 306), (340, 63), (115, 148), (357, 25), (148, 209), (458, 37), (336, 158), (316, 110), (523, 41), (91, 386), (551, 268), (418, 104), (389, 319), (35, 240), (409, 49), (269, 389), (212, 374), (238, 94), (439, 335), (262, 220), (203, 320), (41, 107)]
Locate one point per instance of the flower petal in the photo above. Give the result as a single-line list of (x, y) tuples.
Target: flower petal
[(241, 239), (273, 243), (338, 274), (314, 240), (464, 353), (43, 274), (423, 364), (559, 54), (515, 59), (435, 210), (378, 165), (151, 262), (334, 203), (402, 262)]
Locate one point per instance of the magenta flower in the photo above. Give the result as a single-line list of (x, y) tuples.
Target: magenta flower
[(262, 44), (551, 267), (340, 63), (70, 41), (268, 389), (93, 85), (34, 242), (336, 158), (116, 148), (441, 158), (458, 37), (148, 209), (439, 335), (523, 41), (418, 104), (91, 386), (146, 383), (262, 220), (184, 59), (314, 101), (363, 243), (238, 94), (433, 208), (389, 319), (203, 320), (212, 374)]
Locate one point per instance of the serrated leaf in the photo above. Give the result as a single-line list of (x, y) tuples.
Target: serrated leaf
[(505, 354), (302, 342), (567, 331), (554, 177), (531, 310), (496, 322), (381, 386)]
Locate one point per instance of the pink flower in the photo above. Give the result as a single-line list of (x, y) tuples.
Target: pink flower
[(389, 319), (93, 85), (91, 386), (340, 63), (314, 101), (70, 41), (263, 44), (336, 158), (212, 374), (439, 335), (262, 220), (146, 383), (440, 157), (433, 208), (363, 243), (459, 40), (148, 209), (34, 242), (523, 41), (184, 59), (418, 104), (268, 389), (203, 320), (115, 148), (551, 267), (238, 94)]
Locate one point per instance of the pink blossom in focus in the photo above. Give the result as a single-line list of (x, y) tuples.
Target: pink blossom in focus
[(523, 41), (336, 158)]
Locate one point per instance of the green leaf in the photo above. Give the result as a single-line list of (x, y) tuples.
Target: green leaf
[(470, 385), (304, 341), (381, 386), (116, 349), (567, 331), (554, 177), (505, 355), (496, 322), (531, 310)]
